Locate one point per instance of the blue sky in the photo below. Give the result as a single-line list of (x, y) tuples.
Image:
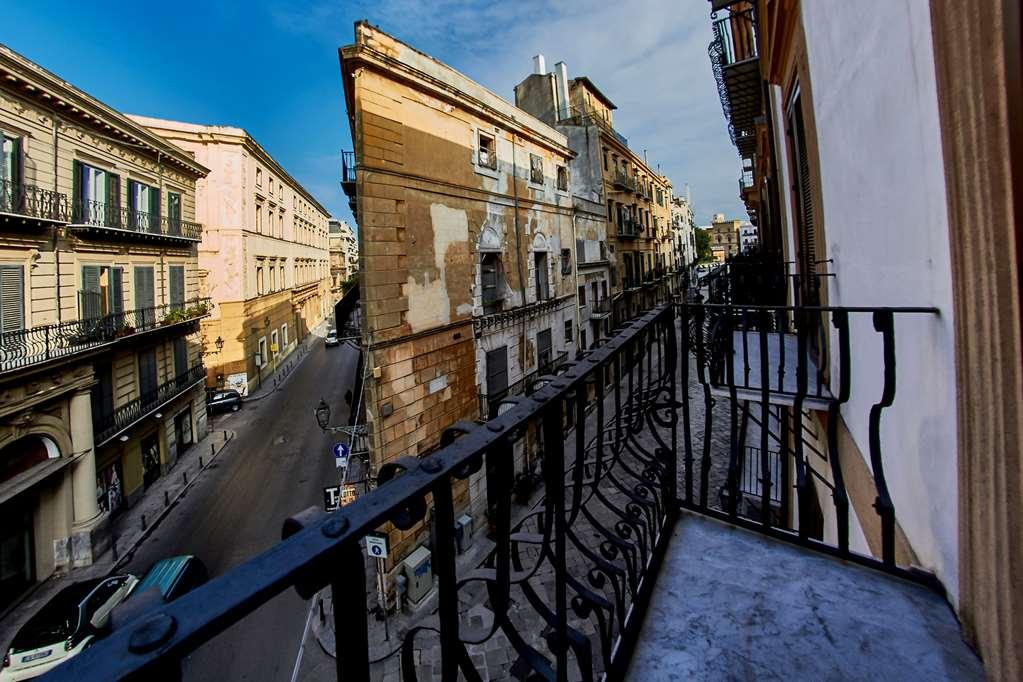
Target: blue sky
[(272, 68)]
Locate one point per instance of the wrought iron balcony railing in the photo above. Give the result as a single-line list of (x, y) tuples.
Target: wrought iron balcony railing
[(600, 308), (623, 181), (627, 227), (106, 426), (736, 34), (584, 116), (33, 202), (527, 385), (116, 217), (567, 582), (27, 347), (347, 168)]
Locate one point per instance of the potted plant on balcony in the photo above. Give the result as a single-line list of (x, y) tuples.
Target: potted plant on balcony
[(123, 330), (174, 316)]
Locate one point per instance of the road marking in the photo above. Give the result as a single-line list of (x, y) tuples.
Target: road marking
[(301, 645)]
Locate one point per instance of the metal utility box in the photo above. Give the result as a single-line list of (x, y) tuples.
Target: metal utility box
[(463, 533), (419, 574)]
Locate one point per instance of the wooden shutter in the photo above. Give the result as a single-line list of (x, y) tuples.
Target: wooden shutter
[(180, 357), (147, 373), (176, 277), (112, 209), (807, 238), (77, 204), (92, 297), (144, 292), (543, 348), (116, 293), (497, 370), (103, 392), (12, 298), (154, 210)]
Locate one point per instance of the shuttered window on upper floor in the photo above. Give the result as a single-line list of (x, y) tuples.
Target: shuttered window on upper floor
[(102, 291), (12, 298), (176, 284)]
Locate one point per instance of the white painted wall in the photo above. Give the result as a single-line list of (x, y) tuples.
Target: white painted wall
[(875, 103)]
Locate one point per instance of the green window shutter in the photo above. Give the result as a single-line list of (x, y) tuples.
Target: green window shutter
[(144, 293), (92, 297), (113, 200), (180, 356), (12, 298), (116, 276), (176, 275), (76, 192), (154, 210)]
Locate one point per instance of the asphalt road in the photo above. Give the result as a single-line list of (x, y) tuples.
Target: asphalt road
[(277, 465)]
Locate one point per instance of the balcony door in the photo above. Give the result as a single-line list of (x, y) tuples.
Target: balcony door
[(148, 381), (173, 213), (12, 298), (145, 296), (11, 191), (543, 351), (144, 207), (102, 291), (97, 196), (497, 378)]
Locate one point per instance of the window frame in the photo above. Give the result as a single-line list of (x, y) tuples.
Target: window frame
[(533, 171)]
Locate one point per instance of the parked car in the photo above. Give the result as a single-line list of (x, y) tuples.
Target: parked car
[(224, 401), (331, 339), (174, 576), (65, 626)]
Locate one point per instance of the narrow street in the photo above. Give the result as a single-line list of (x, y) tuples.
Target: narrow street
[(277, 465)]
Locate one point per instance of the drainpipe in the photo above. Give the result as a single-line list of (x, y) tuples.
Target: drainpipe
[(56, 236)]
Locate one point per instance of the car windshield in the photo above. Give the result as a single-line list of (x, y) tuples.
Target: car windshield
[(56, 621)]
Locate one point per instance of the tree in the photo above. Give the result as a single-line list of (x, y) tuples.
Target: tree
[(703, 252)]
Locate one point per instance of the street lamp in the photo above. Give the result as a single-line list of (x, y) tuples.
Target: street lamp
[(323, 414)]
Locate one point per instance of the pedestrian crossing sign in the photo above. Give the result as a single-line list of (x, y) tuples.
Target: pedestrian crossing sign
[(376, 546)]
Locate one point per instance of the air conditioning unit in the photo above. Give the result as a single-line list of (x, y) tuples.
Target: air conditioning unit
[(419, 574), (463, 533)]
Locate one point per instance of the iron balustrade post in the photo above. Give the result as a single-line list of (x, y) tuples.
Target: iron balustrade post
[(802, 480), (350, 626), (885, 324), (708, 409), (840, 320), (444, 560), (669, 352), (554, 468), (687, 434), (732, 482), (765, 421)]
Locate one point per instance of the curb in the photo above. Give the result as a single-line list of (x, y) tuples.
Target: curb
[(130, 551)]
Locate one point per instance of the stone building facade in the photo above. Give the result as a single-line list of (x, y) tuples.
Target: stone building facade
[(466, 235), (725, 237), (101, 375), (344, 255), (264, 256), (610, 181)]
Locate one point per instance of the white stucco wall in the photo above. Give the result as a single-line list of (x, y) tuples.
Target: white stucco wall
[(875, 104)]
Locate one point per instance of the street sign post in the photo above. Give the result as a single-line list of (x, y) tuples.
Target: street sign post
[(376, 546), (341, 452)]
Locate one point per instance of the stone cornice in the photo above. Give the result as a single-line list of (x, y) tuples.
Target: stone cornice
[(28, 80)]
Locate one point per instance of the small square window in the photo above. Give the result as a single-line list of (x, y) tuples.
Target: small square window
[(562, 178), (486, 153), (535, 169)]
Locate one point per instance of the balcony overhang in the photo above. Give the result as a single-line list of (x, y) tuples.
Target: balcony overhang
[(30, 221), (121, 234), (745, 98), (111, 434)]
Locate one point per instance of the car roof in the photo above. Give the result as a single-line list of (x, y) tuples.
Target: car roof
[(57, 620), (164, 574)]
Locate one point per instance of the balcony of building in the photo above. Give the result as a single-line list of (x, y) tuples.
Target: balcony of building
[(736, 65), (26, 349), (587, 116), (108, 426), (629, 228), (600, 308), (114, 221), (623, 182), (679, 535), (28, 205), (348, 178)]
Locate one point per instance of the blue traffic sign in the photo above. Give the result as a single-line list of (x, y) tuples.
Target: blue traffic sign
[(340, 450)]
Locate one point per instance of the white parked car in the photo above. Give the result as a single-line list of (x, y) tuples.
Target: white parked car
[(70, 622), (331, 339)]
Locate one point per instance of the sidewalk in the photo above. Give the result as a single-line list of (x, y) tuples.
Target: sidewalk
[(129, 529), (275, 380)]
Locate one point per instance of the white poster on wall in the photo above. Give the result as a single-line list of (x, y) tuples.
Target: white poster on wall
[(239, 382)]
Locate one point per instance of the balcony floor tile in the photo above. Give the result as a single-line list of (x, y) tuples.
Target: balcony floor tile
[(731, 604)]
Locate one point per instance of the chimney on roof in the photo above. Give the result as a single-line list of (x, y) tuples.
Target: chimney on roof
[(539, 65), (561, 78)]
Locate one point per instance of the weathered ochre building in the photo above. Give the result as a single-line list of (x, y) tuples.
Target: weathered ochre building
[(612, 185), (725, 237), (264, 256), (465, 234), (101, 375)]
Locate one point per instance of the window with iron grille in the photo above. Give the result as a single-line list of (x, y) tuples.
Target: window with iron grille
[(486, 151), (535, 169)]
